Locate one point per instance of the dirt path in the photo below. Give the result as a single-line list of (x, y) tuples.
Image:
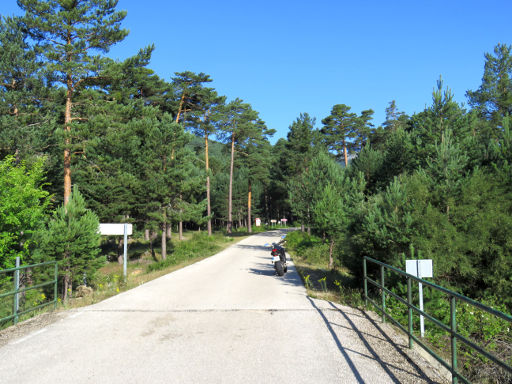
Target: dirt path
[(226, 319)]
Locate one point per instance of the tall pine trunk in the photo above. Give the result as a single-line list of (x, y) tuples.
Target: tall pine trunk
[(67, 141), (230, 195), (180, 224), (180, 107), (249, 199), (164, 235), (209, 208), (331, 248), (345, 152), (67, 279)]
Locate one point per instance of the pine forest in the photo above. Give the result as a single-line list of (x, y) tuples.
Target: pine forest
[(86, 139)]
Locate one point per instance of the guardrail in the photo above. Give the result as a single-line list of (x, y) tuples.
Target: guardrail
[(451, 328), (16, 313)]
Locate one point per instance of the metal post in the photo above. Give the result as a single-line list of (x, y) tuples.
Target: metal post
[(453, 325), (365, 285), (16, 304), (383, 294), (422, 320), (125, 248), (420, 291), (56, 275), (409, 300)]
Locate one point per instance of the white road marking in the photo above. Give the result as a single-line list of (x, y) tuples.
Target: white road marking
[(29, 336)]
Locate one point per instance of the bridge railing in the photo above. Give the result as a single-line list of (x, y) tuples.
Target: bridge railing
[(451, 328), (17, 290)]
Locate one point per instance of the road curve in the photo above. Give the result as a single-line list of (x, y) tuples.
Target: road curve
[(226, 319)]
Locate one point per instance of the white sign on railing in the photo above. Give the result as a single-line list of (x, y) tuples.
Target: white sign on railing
[(419, 268)]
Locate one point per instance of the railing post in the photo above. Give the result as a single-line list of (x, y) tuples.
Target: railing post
[(409, 300), (16, 302), (56, 277), (365, 284), (453, 326), (383, 294)]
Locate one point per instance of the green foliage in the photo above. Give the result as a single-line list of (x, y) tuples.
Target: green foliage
[(72, 238), (199, 246), (23, 203), (493, 99), (484, 329)]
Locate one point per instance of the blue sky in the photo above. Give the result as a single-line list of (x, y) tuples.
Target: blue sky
[(288, 57)]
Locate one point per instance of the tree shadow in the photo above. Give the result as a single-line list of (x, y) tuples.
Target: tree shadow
[(291, 278), (420, 372), (343, 351), (254, 247), (364, 336)]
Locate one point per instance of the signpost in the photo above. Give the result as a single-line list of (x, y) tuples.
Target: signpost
[(284, 221), (116, 230), (421, 269)]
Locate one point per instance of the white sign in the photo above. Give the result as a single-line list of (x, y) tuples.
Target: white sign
[(284, 220), (115, 229), (273, 221), (119, 229), (258, 222), (419, 268)]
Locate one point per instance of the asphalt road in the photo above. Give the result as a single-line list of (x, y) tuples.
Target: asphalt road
[(226, 319)]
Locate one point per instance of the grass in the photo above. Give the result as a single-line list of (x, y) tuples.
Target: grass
[(335, 285)]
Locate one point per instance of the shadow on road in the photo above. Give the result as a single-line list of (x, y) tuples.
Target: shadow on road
[(254, 247), (289, 278), (376, 332), (350, 363), (416, 368)]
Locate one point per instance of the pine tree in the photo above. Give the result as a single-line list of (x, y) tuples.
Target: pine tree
[(446, 170), (257, 159), (68, 33), (340, 130), (238, 119), (493, 99), (299, 144), (364, 129), (188, 86), (72, 238), (203, 121), (394, 118), (25, 127)]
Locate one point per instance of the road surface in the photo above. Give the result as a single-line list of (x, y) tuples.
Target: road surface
[(226, 319)]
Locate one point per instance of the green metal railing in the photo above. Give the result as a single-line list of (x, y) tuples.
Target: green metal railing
[(16, 313), (451, 328)]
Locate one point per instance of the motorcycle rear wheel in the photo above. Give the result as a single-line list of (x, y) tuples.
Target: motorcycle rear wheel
[(279, 268)]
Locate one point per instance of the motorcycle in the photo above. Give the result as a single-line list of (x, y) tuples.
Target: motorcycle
[(279, 258)]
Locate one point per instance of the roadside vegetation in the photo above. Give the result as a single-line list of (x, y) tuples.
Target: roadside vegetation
[(339, 285)]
